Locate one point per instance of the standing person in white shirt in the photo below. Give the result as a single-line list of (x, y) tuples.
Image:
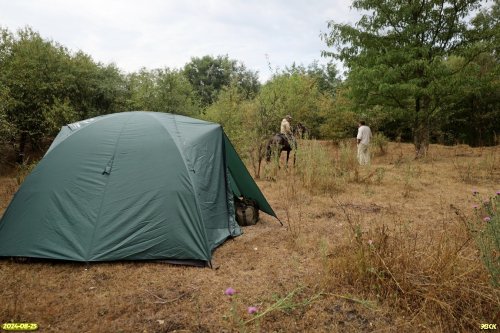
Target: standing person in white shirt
[(363, 138)]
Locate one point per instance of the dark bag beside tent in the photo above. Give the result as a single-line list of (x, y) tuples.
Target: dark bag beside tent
[(130, 186), (247, 211)]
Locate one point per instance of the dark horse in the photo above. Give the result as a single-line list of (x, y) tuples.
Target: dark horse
[(279, 143)]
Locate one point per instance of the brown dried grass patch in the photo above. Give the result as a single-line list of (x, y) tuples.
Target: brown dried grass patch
[(383, 252)]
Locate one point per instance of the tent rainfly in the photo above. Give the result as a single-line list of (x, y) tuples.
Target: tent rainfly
[(130, 186)]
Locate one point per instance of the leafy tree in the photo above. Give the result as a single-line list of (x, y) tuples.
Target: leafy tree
[(396, 56), (472, 110), (295, 94), (473, 102), (176, 94), (94, 89), (209, 75), (339, 119), (326, 76), (7, 130), (229, 111), (34, 73), (242, 123), (141, 87), (163, 90), (44, 86)]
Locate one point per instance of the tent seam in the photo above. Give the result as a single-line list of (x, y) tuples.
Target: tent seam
[(106, 187)]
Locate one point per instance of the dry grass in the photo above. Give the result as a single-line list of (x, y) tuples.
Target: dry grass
[(375, 249)]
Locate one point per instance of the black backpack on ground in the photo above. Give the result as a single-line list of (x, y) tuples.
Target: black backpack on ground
[(247, 211)]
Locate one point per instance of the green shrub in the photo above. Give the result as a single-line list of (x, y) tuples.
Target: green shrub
[(380, 141)]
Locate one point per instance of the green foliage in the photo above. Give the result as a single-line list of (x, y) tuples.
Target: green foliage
[(340, 121), (380, 141), (209, 75), (7, 129), (94, 89), (34, 72), (472, 110), (295, 94), (325, 76), (230, 111), (60, 112), (396, 56), (250, 123), (44, 86), (162, 90), (316, 169)]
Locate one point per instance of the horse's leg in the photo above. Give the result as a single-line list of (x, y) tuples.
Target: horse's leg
[(287, 157)]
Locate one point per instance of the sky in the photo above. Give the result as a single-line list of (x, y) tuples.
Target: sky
[(265, 35)]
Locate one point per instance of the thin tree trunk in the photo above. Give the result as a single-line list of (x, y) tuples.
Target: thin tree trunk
[(22, 146), (421, 127), (416, 128)]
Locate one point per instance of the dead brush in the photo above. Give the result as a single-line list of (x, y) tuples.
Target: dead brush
[(411, 172), (425, 275), (7, 189), (466, 170), (346, 163), (489, 165), (292, 195), (272, 168), (471, 171)]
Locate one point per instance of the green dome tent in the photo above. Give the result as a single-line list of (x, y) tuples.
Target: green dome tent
[(130, 186)]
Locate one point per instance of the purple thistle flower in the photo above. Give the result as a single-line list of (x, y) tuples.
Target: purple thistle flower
[(487, 219), (475, 192), (498, 192), (229, 291), (475, 206), (252, 309)]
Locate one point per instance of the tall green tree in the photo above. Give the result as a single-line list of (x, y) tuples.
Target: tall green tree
[(163, 90), (33, 74), (43, 86), (229, 110), (7, 129), (473, 102), (210, 75), (297, 94), (396, 56), (472, 110), (326, 76), (339, 118), (141, 87), (93, 88)]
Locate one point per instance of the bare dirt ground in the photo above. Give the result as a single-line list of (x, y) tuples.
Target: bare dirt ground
[(384, 249)]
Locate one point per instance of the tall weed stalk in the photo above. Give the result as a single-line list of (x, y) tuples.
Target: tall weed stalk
[(484, 226)]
